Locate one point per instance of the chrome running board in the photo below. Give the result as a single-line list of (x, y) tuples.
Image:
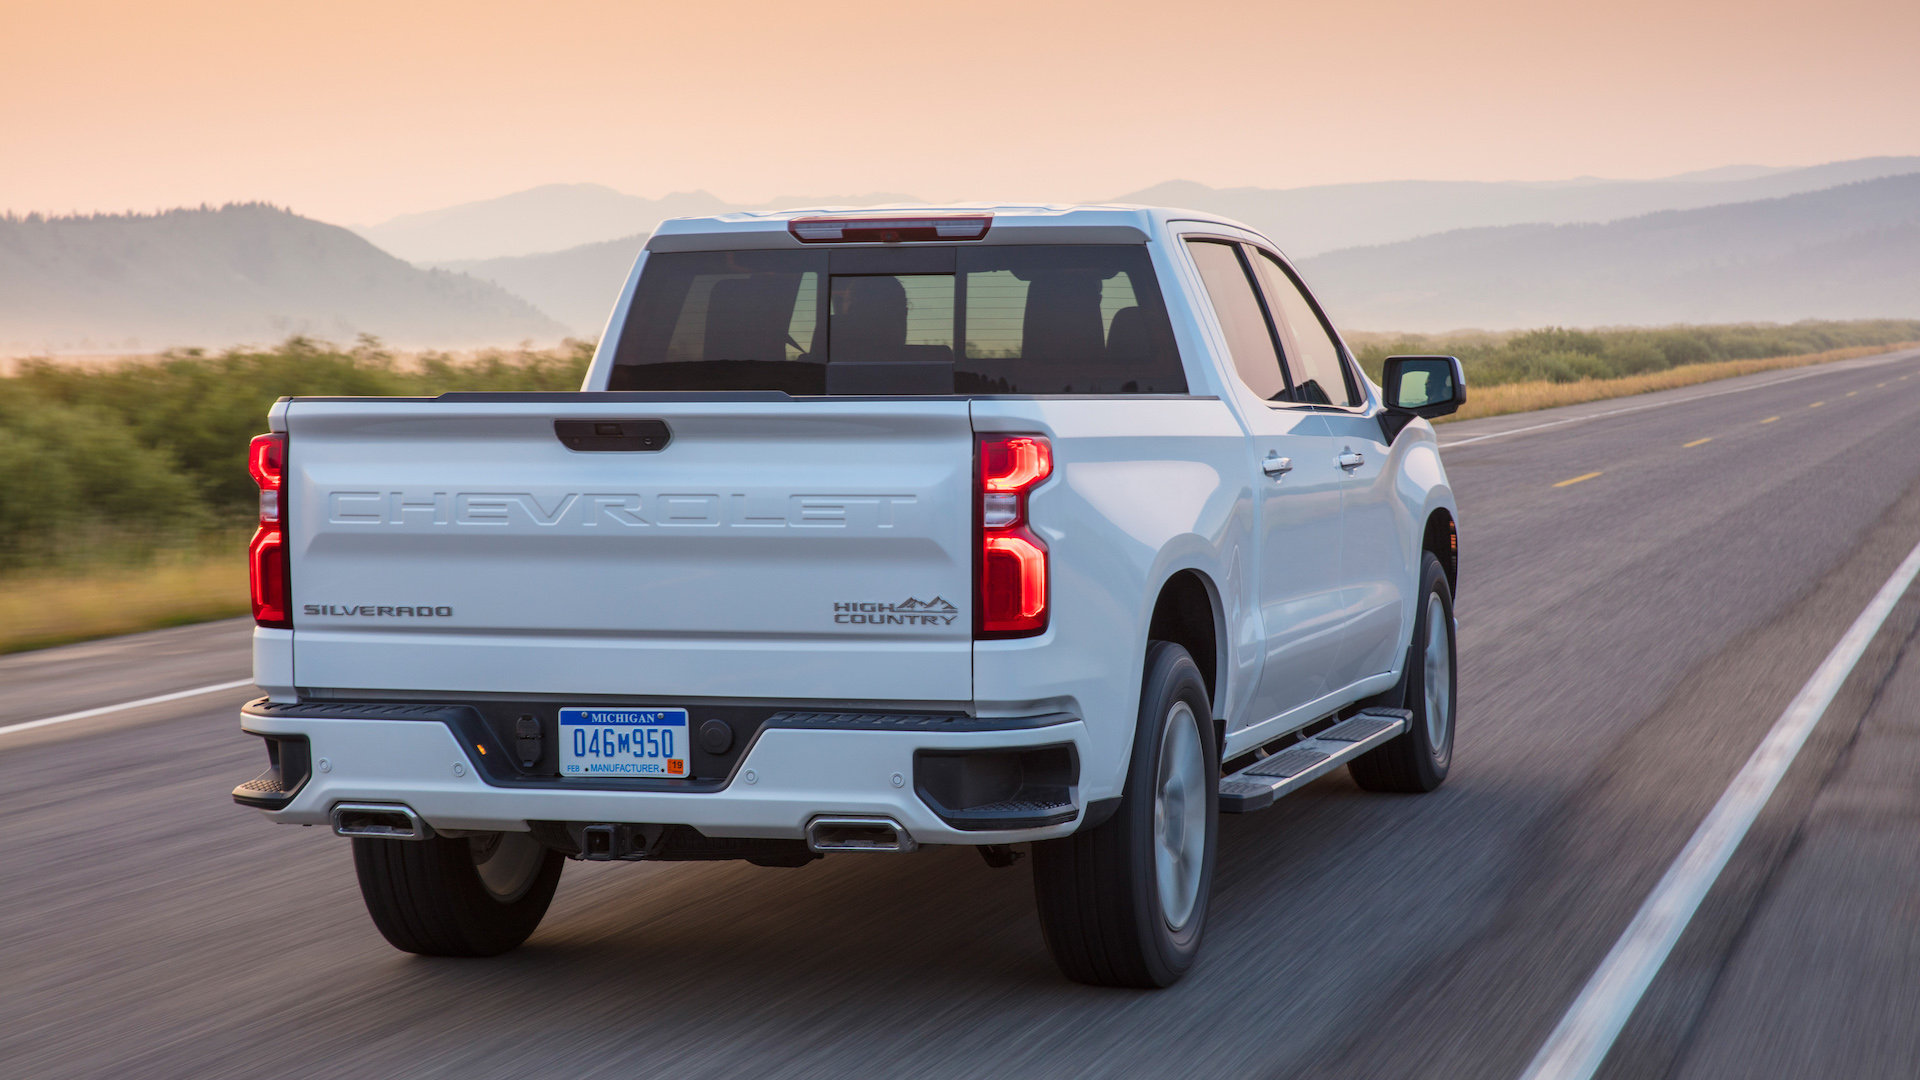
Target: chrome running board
[(1287, 771)]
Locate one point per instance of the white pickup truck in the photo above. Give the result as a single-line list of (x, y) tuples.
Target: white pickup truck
[(1062, 526)]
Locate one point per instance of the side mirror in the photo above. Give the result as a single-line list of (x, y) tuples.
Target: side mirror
[(1426, 386)]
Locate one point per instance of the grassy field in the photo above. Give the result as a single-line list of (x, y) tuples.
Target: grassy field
[(46, 606), (1559, 355), (1502, 398)]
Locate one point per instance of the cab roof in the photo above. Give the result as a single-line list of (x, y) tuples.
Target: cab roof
[(1011, 223)]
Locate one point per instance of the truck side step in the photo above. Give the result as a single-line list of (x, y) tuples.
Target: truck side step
[(1259, 784)]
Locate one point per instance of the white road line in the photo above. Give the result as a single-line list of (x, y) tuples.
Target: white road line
[(105, 709), (1807, 374), (1580, 1043)]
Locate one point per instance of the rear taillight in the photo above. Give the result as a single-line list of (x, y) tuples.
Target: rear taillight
[(1011, 575), (267, 554)]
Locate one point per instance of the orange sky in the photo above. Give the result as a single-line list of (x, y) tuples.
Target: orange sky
[(354, 111)]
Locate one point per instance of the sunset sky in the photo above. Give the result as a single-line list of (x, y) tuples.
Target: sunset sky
[(353, 112)]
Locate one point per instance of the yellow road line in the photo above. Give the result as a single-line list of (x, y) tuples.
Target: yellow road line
[(1577, 479), (1851, 393), (1816, 404), (1696, 442), (1769, 419)]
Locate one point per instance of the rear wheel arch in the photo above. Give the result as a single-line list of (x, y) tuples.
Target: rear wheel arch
[(1187, 613)]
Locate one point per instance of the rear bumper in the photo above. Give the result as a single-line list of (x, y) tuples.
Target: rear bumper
[(787, 777)]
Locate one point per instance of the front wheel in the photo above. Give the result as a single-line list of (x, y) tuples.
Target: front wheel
[(1124, 904), (1418, 760), (478, 895)]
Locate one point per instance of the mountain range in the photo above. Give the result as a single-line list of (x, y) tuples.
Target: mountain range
[(1305, 221), (1308, 221), (1423, 255), (1733, 244), (1851, 251), (236, 274)]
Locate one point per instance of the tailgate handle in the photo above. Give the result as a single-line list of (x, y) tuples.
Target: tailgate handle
[(602, 436)]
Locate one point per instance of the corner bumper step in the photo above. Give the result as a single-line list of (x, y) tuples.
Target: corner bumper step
[(1259, 784)]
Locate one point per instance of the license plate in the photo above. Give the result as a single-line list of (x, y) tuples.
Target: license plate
[(624, 742)]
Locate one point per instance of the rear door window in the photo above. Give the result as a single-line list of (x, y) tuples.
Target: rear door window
[(1068, 319), (1319, 376), (1249, 337)]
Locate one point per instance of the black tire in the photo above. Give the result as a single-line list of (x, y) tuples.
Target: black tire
[(1100, 891), (429, 896), (1418, 760)]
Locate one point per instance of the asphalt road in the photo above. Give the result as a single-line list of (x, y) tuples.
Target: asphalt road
[(1626, 640)]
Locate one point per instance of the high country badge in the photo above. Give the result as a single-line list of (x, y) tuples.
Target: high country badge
[(908, 612)]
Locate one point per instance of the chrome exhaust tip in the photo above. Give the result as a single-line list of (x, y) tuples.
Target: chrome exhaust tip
[(857, 834), (384, 821)]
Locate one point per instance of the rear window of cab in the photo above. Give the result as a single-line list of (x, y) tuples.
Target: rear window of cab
[(925, 320)]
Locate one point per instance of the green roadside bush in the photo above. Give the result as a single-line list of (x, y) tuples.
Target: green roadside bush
[(123, 460), (1559, 355), (73, 479)]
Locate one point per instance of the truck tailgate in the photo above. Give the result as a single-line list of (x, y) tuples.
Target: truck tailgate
[(772, 548)]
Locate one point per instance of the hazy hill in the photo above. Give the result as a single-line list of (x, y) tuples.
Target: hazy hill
[(1310, 220), (252, 273), (577, 286), (558, 216), (240, 273), (1305, 221), (1404, 287), (1846, 252)]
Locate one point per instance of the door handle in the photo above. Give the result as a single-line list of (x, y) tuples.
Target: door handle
[(1351, 460), (1275, 465)]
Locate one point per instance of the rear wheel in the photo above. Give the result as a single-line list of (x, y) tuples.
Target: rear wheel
[(1124, 904), (1418, 760), (478, 895)]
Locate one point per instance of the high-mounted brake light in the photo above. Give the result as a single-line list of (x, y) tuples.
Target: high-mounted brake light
[(1011, 575), (889, 229), (267, 575)]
